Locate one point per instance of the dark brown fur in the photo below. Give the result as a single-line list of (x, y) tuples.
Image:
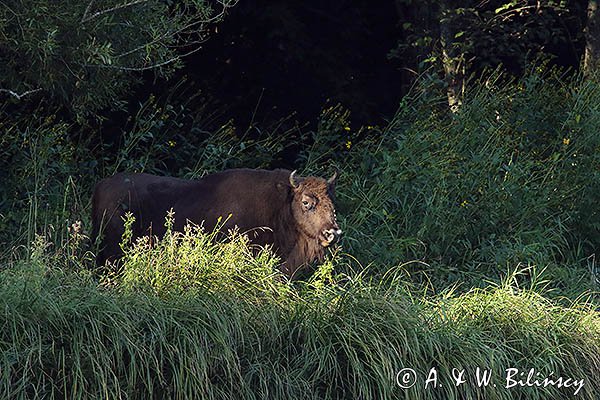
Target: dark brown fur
[(298, 213)]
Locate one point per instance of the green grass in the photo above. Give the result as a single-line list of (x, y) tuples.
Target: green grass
[(508, 180), (64, 335)]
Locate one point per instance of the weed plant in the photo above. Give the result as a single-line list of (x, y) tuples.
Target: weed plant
[(507, 180)]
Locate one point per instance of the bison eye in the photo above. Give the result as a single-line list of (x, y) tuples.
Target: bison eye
[(307, 205)]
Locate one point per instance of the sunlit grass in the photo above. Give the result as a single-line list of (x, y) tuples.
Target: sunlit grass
[(208, 320)]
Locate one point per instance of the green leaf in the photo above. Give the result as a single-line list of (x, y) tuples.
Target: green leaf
[(505, 7)]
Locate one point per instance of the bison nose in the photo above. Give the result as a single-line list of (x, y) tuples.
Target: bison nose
[(332, 235)]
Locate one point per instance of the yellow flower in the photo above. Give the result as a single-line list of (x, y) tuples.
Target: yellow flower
[(464, 203), (566, 141), (348, 144), (346, 128), (171, 143)]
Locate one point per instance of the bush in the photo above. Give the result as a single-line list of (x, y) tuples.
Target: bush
[(43, 188), (179, 133), (506, 180), (84, 56)]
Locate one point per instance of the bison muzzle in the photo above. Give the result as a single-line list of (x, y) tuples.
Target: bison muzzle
[(294, 214)]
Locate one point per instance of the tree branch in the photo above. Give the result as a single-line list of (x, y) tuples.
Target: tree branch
[(20, 96), (109, 10), (224, 3), (86, 12), (148, 67)]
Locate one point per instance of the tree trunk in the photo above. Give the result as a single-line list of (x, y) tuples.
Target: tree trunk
[(591, 58), (452, 59)]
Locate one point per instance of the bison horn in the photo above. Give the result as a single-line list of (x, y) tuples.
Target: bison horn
[(331, 180), (293, 179)]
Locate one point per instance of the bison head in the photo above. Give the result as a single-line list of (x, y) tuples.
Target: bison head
[(312, 208)]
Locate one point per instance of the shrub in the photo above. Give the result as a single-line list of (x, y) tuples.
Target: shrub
[(84, 56), (185, 263), (43, 190), (502, 182)]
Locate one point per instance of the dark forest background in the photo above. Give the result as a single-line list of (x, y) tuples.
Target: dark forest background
[(264, 61), (282, 57)]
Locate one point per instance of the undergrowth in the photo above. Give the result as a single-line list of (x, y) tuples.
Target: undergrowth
[(437, 210), (63, 335), (507, 180)]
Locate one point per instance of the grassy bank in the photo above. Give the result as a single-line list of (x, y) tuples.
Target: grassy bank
[(64, 335)]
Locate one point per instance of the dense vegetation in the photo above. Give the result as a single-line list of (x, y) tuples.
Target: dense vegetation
[(237, 333), (493, 193), (470, 235)]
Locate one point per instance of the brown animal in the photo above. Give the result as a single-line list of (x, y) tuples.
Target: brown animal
[(298, 212)]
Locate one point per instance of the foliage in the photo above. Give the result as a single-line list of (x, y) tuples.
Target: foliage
[(183, 133), (83, 55), (64, 336), (491, 33), (185, 263), (43, 190), (507, 180)]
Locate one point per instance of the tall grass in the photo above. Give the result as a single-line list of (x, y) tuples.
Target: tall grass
[(195, 261), (65, 336), (508, 179)]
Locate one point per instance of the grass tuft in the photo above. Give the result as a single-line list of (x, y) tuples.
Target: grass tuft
[(183, 320)]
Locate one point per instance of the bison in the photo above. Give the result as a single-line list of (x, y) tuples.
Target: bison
[(298, 213)]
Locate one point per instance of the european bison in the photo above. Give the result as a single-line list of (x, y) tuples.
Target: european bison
[(298, 212)]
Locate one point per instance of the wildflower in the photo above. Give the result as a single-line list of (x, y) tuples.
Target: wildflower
[(464, 203), (171, 143), (566, 141), (348, 144), (346, 128)]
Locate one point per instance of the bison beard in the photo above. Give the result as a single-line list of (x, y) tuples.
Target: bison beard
[(299, 212)]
